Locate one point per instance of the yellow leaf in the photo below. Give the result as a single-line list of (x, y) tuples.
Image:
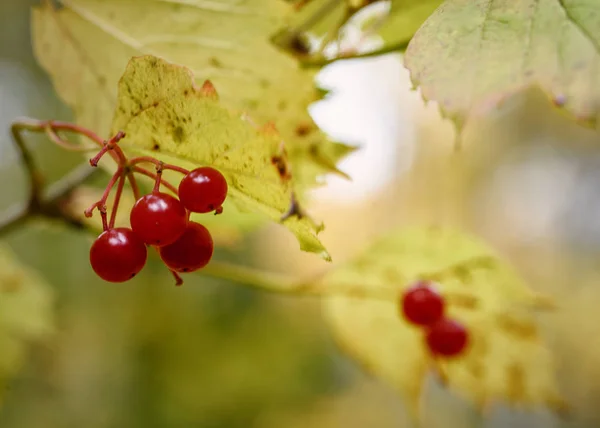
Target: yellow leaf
[(506, 359), (25, 312), (85, 45), (163, 113)]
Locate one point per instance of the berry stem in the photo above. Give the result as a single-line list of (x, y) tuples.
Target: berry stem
[(101, 204), (159, 164), (115, 207), (153, 176), (134, 186), (111, 145), (67, 145), (158, 179), (178, 279)]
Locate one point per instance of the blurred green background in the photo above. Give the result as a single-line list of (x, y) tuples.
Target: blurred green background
[(213, 354)]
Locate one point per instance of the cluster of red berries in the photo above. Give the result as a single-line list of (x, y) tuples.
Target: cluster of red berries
[(157, 219), (423, 306), (162, 221)]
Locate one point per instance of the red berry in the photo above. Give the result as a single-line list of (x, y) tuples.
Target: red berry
[(422, 304), (447, 338), (203, 190), (158, 219), (118, 255), (192, 251)]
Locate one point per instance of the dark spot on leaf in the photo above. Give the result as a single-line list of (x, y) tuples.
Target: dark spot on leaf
[(226, 158), (215, 62), (155, 104), (178, 134), (186, 92), (155, 145), (282, 167), (299, 44), (520, 328), (102, 80), (140, 106), (226, 147), (303, 129), (282, 105)]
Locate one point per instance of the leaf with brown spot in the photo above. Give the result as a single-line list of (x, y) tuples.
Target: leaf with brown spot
[(85, 45), (506, 361), (152, 103)]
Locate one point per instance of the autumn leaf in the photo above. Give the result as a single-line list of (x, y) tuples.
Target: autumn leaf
[(86, 44), (163, 113), (25, 312), (506, 360), (471, 54)]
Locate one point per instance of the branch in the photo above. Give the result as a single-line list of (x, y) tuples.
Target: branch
[(283, 284), (321, 61), (44, 203)]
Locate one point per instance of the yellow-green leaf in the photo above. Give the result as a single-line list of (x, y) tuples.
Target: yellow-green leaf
[(164, 114), (405, 18), (86, 44), (507, 359), (470, 54), (25, 312)]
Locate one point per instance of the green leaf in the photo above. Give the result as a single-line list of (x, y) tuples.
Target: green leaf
[(164, 114), (405, 18), (506, 360), (25, 312), (471, 54), (86, 44)]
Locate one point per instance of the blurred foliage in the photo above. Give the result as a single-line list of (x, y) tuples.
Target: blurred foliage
[(212, 354)]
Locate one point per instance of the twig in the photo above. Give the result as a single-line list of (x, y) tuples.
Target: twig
[(283, 284), (321, 61)]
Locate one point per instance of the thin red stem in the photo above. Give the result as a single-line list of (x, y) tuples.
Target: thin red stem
[(152, 175), (101, 204), (158, 164), (157, 181), (65, 126), (111, 146), (134, 186), (115, 207), (51, 133), (103, 216), (178, 278)]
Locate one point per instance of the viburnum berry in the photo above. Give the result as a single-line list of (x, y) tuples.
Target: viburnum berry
[(192, 251), (118, 255), (422, 304), (158, 219), (203, 190), (447, 338)]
